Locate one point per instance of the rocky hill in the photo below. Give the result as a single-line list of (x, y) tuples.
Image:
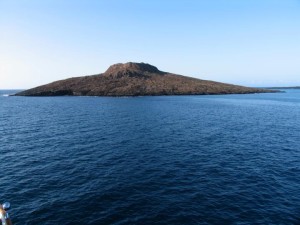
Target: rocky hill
[(136, 79)]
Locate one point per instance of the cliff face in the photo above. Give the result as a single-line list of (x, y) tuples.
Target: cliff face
[(136, 79)]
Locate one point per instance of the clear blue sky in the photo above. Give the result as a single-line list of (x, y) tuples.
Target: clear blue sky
[(247, 42)]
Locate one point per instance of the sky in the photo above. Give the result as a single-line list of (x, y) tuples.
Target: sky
[(247, 42)]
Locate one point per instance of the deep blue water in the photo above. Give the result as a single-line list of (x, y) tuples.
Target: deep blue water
[(231, 159)]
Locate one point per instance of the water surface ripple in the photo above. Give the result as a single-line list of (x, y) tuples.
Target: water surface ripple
[(151, 160)]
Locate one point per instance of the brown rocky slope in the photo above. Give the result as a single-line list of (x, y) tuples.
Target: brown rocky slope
[(136, 79)]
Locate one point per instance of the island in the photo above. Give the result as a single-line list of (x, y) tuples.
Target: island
[(136, 79), (293, 87)]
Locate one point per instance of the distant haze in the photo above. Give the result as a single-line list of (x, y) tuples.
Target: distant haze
[(249, 42)]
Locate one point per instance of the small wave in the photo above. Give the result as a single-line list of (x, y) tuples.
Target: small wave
[(5, 95)]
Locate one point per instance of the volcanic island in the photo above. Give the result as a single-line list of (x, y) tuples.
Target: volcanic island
[(137, 79)]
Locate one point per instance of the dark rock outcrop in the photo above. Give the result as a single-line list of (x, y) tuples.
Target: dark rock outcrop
[(136, 79)]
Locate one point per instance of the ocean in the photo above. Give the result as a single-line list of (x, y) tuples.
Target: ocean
[(224, 159)]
